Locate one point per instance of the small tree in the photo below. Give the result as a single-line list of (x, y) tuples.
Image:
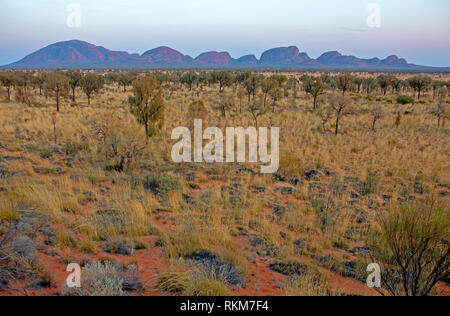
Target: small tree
[(225, 79), (341, 106), (344, 82), (124, 80), (436, 85), (413, 247), (251, 85), (442, 112), (377, 113), (22, 79), (325, 114), (369, 85), (256, 110), (267, 86), (90, 84), (189, 79), (385, 81), (276, 95), (23, 96), (7, 80), (420, 84), (241, 94), (57, 85), (147, 104), (226, 103), (358, 81), (75, 78), (442, 93), (315, 89), (396, 84)]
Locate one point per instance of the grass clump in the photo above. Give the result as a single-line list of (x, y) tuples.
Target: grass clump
[(405, 99), (207, 287), (160, 184), (173, 281), (179, 282), (7, 214), (371, 182)]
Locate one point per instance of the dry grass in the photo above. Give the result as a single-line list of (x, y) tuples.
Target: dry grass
[(64, 174)]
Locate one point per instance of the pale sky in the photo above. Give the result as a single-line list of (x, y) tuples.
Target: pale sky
[(417, 30)]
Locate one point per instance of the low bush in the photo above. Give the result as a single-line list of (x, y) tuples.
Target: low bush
[(405, 99), (160, 184)]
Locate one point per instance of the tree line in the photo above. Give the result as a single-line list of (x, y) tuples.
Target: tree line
[(245, 85)]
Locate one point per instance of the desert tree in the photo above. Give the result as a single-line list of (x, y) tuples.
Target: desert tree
[(412, 245), (396, 84), (111, 78), (267, 86), (251, 86), (384, 81), (23, 95), (341, 106), (420, 84), (329, 81), (242, 76), (315, 88), (256, 110), (292, 84), (75, 77), (369, 85), (188, 79), (125, 79), (90, 84), (22, 79), (325, 114), (39, 82), (225, 79), (376, 113), (147, 104), (226, 103), (344, 82), (203, 80), (436, 85), (280, 79), (358, 82), (276, 95), (442, 93), (241, 93), (7, 80), (442, 112), (57, 84)]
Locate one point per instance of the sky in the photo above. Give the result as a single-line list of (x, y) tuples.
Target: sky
[(418, 30)]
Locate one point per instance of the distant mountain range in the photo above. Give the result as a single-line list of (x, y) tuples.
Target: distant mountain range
[(79, 54)]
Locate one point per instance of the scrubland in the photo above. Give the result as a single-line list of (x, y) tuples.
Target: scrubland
[(84, 185)]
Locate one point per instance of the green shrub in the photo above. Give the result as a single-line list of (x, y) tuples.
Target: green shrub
[(405, 99), (160, 184), (413, 246)]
